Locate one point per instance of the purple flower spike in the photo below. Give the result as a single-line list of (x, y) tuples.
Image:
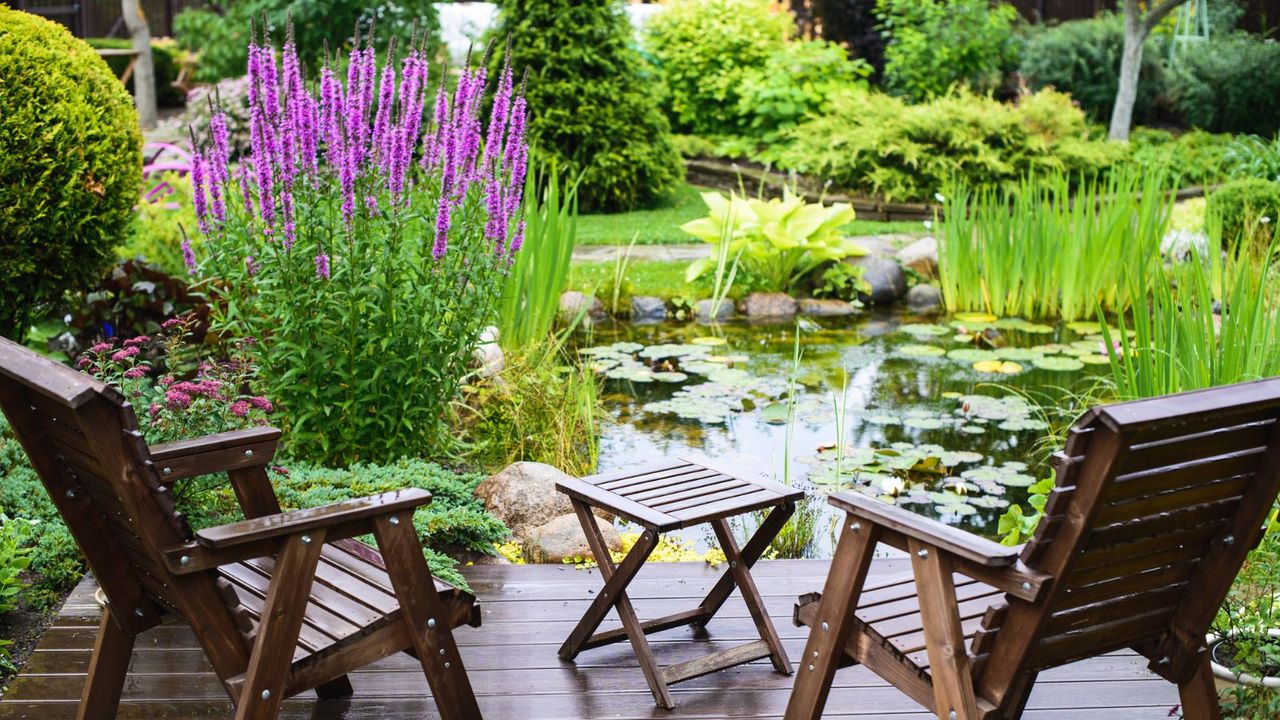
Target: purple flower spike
[(322, 266)]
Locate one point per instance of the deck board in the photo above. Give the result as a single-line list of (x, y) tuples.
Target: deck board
[(527, 611)]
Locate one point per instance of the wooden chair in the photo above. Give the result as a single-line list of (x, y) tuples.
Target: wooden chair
[(1156, 505), (281, 602)]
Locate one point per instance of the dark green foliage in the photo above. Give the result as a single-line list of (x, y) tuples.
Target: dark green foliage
[(56, 563), (704, 48), (165, 54), (936, 45), (220, 32), (70, 165), (592, 110), (1247, 209), (878, 144), (1230, 85), (1196, 157), (1082, 58), (853, 23)]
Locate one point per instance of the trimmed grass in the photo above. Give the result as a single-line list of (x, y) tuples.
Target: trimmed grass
[(664, 279), (661, 226)]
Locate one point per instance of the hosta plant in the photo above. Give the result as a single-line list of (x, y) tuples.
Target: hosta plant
[(777, 241), (363, 242)]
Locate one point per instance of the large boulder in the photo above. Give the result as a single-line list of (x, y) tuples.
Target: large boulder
[(524, 496), (572, 304), (769, 305), (885, 277), (921, 256), (830, 307), (647, 308), (562, 539), (703, 311), (924, 299)]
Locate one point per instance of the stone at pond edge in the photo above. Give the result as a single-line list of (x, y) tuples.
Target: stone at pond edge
[(572, 303), (814, 307), (488, 354), (921, 256), (924, 299), (523, 495), (562, 539), (769, 305), (647, 307), (884, 275), (703, 310)]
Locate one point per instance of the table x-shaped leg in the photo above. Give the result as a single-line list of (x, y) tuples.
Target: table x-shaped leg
[(613, 595)]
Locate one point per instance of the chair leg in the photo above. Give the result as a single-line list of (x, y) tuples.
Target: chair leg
[(107, 670), (1199, 695), (426, 619), (944, 637), (751, 596), (335, 689), (830, 632), (278, 627)]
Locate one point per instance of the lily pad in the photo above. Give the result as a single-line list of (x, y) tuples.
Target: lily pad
[(971, 355), (923, 423), (1023, 424), (670, 377), (917, 350), (1095, 359), (975, 318), (1058, 364), (709, 341), (998, 367), (662, 352), (924, 330)]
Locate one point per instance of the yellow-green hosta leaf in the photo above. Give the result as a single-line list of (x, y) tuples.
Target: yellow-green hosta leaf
[(696, 269), (705, 229)]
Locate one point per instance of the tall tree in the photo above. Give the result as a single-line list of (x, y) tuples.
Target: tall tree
[(144, 70), (1137, 27)]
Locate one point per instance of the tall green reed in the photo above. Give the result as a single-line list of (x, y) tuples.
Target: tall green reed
[(1050, 248), (531, 291), (1176, 342)]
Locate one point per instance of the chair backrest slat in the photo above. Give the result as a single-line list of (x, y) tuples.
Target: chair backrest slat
[(1130, 533), (82, 439), (1136, 522)]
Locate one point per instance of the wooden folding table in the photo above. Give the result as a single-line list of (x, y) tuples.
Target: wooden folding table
[(660, 498)]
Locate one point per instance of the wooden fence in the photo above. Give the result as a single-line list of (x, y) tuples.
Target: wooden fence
[(101, 18)]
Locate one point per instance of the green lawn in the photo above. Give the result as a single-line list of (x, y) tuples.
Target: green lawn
[(663, 279), (661, 226)]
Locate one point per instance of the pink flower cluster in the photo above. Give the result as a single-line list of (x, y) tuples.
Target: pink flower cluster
[(359, 148)]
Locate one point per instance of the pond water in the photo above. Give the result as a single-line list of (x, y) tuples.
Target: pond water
[(947, 417)]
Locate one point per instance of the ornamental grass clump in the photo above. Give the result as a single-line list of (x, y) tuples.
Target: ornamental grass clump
[(363, 242)]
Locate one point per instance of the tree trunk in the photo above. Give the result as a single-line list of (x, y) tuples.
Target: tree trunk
[(1135, 35), (144, 71)]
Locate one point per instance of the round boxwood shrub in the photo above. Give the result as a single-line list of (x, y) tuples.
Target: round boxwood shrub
[(593, 111), (70, 165), (1247, 209)]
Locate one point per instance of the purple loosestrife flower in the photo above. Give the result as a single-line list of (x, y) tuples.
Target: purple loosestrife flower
[(197, 187), (433, 146), (517, 240), (498, 116), (382, 121), (495, 229), (188, 255), (322, 266), (243, 182), (441, 244)]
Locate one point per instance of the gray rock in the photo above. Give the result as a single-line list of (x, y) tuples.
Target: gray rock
[(562, 539), (488, 354), (703, 311), (523, 495), (647, 307), (924, 299), (884, 275), (815, 307), (769, 305), (572, 303), (921, 256)]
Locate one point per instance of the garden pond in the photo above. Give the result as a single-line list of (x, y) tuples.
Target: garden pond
[(950, 417)]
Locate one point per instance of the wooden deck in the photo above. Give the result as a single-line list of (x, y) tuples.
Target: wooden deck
[(528, 611)]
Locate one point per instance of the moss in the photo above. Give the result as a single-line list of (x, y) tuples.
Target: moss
[(70, 165)]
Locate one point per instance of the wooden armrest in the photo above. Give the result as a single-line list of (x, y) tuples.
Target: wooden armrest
[(215, 453), (289, 523), (972, 548)]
